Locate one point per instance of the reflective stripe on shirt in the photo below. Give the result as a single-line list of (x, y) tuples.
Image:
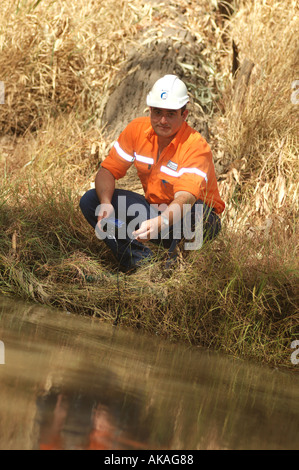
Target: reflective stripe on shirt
[(179, 173), (141, 158), (123, 154)]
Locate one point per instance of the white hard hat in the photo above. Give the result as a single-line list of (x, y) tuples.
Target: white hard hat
[(169, 92)]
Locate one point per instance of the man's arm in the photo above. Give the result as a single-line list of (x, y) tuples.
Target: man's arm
[(174, 212), (104, 186)]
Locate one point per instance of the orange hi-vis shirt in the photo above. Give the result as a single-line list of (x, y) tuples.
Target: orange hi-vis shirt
[(186, 164)]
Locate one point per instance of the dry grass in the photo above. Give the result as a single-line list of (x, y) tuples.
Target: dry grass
[(60, 56), (258, 134)]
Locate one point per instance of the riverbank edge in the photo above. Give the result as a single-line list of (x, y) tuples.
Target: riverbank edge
[(237, 295)]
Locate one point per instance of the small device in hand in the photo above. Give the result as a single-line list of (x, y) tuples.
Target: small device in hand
[(110, 225)]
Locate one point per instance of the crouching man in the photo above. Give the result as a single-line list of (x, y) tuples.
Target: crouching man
[(175, 166)]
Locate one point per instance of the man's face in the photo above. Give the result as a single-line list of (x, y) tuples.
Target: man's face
[(167, 122)]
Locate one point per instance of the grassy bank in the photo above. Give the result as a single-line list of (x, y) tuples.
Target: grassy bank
[(238, 294)]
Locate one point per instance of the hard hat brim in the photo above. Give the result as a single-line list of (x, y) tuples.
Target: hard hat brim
[(166, 104)]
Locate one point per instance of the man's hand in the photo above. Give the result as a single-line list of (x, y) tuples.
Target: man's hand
[(148, 230), (104, 211)]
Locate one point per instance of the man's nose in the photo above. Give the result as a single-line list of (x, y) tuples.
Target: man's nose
[(163, 120)]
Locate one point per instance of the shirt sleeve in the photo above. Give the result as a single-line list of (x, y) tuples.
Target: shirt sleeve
[(121, 155)]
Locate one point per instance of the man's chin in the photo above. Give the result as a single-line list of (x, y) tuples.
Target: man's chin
[(163, 131)]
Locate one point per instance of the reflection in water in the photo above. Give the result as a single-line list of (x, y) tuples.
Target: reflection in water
[(72, 382), (79, 422)]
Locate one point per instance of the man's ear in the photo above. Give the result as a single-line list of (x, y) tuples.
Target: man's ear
[(185, 114)]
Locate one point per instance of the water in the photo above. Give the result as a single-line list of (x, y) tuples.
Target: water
[(73, 382)]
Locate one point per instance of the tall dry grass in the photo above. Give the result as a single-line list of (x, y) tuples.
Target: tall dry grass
[(60, 56), (258, 132), (60, 62)]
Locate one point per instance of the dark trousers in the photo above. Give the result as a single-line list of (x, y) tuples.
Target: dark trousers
[(129, 252)]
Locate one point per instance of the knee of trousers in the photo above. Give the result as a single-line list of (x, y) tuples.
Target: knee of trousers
[(88, 204)]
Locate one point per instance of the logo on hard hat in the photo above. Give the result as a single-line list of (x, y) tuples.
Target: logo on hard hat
[(164, 95)]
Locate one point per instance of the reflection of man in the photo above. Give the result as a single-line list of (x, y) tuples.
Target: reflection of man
[(51, 430), (106, 435), (104, 432), (174, 164), (67, 423)]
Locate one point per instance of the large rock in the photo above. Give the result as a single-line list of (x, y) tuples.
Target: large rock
[(128, 100)]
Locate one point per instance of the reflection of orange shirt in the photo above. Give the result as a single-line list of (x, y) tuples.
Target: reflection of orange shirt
[(99, 440), (55, 443), (186, 164), (105, 440)]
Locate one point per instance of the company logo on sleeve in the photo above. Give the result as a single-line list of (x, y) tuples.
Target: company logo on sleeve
[(173, 166)]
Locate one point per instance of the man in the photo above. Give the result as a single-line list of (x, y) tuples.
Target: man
[(175, 166)]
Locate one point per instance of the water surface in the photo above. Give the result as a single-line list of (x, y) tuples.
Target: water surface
[(72, 382)]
